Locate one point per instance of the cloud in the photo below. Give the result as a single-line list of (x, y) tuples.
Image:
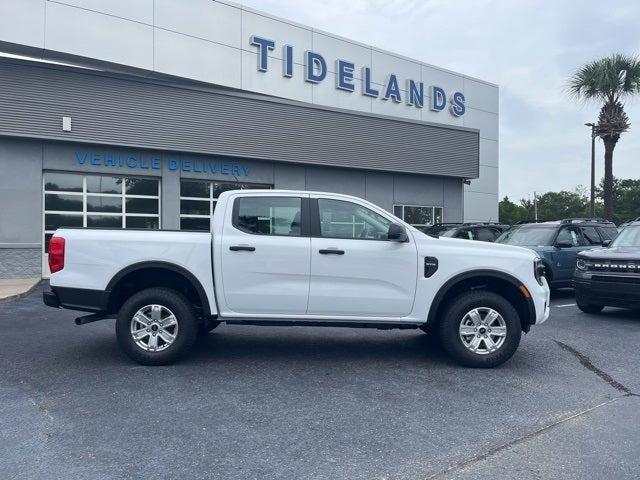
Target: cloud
[(529, 48)]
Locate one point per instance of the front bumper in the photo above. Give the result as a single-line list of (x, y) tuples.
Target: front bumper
[(541, 295), (608, 289)]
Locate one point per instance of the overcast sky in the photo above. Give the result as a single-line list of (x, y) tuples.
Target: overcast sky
[(529, 48)]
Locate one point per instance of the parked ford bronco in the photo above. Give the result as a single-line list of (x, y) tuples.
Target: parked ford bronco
[(610, 276), (558, 243), (280, 257)]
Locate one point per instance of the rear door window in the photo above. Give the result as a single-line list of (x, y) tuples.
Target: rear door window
[(591, 235), (465, 233), (608, 233), (485, 235), (268, 215)]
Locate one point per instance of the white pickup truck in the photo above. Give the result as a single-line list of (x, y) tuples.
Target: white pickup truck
[(279, 257)]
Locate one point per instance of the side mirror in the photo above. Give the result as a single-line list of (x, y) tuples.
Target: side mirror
[(563, 245), (606, 243), (397, 233)]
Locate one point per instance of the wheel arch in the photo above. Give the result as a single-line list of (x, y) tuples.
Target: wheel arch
[(493, 280), (193, 286)]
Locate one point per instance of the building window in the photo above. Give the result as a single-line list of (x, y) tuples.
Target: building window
[(418, 216), (72, 200), (198, 201)]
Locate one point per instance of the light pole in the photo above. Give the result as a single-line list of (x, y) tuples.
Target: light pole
[(593, 169)]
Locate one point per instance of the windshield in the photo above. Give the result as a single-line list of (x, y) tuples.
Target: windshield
[(448, 232), (628, 237), (528, 235), (436, 231)]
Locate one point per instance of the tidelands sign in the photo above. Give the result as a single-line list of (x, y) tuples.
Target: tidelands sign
[(315, 71)]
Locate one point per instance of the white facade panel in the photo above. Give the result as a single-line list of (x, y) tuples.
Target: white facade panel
[(481, 96), (382, 64), (282, 33), (391, 108), (480, 207), (486, 122), (486, 183), (333, 48), (196, 59), (325, 93), (95, 35), (489, 154), (205, 19), (136, 10), (428, 115), (450, 82), (272, 82), (23, 22)]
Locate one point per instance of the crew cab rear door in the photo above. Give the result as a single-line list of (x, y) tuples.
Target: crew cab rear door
[(265, 250), (355, 269)]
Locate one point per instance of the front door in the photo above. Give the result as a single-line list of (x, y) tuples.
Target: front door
[(265, 255), (567, 245), (355, 269)]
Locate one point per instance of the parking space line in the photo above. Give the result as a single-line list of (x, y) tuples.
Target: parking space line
[(566, 305)]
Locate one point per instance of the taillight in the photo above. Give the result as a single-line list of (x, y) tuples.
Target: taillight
[(56, 254)]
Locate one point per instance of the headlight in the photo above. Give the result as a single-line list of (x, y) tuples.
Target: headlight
[(581, 264), (538, 270)]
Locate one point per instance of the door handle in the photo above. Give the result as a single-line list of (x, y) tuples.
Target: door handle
[(331, 251), (242, 248)]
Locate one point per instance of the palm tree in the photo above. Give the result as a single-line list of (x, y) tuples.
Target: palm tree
[(609, 80)]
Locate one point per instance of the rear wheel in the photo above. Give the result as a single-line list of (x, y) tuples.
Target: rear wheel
[(156, 326), (480, 329), (588, 308)]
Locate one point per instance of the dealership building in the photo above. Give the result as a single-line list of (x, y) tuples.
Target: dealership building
[(139, 114)]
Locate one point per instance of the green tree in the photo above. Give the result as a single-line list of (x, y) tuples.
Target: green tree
[(511, 213), (563, 204), (608, 80), (626, 199)]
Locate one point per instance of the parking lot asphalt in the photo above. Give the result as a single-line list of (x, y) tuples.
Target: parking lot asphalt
[(301, 402)]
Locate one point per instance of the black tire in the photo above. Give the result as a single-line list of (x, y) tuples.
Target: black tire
[(186, 333), (207, 326), (588, 308), (449, 325)]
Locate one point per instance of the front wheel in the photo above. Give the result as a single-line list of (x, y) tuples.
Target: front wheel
[(156, 326), (588, 308), (480, 329)]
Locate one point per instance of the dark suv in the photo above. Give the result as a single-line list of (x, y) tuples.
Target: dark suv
[(559, 242), (484, 232), (610, 276)]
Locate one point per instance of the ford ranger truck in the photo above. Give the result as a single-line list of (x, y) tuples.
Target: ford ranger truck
[(278, 257)]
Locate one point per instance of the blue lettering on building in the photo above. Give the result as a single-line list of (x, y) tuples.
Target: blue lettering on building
[(315, 71), (142, 162)]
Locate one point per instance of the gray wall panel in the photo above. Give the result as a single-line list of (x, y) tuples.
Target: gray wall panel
[(290, 177), (336, 181), (20, 192), (414, 190), (122, 111), (379, 189), (453, 201)]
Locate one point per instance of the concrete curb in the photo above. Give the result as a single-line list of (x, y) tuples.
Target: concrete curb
[(20, 295)]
